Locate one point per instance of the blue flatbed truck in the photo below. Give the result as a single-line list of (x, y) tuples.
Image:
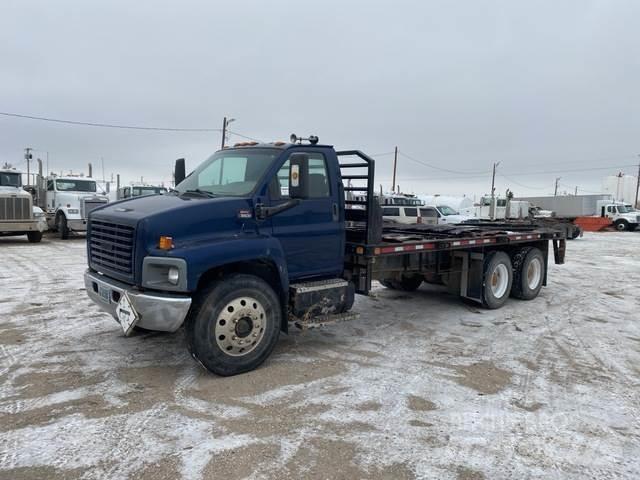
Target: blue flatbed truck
[(263, 235)]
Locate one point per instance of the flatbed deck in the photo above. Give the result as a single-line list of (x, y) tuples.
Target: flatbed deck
[(397, 239)]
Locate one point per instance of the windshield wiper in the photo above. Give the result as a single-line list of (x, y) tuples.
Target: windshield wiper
[(204, 193)]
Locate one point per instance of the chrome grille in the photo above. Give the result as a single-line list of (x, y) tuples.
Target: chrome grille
[(15, 208), (91, 204), (111, 247)]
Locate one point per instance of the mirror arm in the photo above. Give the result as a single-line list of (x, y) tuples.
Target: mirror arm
[(263, 212)]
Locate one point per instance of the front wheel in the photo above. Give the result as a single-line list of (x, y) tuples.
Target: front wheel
[(62, 227), (621, 225), (34, 237), (234, 325)]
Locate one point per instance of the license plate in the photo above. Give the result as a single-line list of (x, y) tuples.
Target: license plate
[(126, 314), (105, 294)]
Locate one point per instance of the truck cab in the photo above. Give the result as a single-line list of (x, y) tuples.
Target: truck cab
[(623, 217), (441, 214), (68, 202), (18, 215)]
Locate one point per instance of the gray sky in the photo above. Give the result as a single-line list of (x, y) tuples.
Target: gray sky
[(544, 86)]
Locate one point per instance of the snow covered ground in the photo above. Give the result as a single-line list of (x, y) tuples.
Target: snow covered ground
[(422, 385)]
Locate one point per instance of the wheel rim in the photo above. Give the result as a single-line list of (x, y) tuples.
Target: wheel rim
[(499, 281), (240, 326), (534, 273), (621, 226)]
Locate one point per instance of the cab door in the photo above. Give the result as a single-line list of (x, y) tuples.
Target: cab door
[(311, 233)]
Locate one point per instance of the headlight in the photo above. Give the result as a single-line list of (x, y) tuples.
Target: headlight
[(38, 214), (73, 210), (173, 275)]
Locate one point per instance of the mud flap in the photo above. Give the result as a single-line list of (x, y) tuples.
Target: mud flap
[(471, 275), (559, 248)]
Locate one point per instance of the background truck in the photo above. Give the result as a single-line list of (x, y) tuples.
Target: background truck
[(139, 191), (68, 202), (259, 235), (18, 215), (572, 207)]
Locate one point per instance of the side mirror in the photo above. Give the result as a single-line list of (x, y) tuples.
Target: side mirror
[(180, 170), (299, 175)]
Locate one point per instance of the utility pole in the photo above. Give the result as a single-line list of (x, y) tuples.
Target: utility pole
[(395, 164), (28, 157), (637, 185), (576, 194), (555, 192), (225, 124), (492, 209)]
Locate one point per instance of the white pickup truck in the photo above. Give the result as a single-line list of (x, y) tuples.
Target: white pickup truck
[(18, 215), (69, 200)]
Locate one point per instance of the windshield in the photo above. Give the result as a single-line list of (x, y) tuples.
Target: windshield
[(75, 185), (623, 209), (10, 179), (445, 210), (230, 172)]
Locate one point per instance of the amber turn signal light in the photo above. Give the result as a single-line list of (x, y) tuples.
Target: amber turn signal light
[(166, 243)]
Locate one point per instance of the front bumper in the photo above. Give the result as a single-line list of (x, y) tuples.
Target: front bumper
[(21, 226), (77, 225), (157, 311)]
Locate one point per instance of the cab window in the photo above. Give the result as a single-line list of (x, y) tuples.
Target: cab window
[(411, 212), (428, 212), (391, 212), (318, 178)]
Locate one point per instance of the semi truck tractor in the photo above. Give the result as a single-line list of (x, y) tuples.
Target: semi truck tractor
[(260, 237), (18, 215), (68, 202), (571, 207)]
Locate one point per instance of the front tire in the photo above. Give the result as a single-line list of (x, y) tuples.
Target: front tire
[(62, 227), (34, 237), (234, 324), (621, 225), (497, 279)]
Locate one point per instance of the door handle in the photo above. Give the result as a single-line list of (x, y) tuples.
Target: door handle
[(336, 215)]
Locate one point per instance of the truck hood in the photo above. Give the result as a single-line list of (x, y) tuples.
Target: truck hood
[(456, 218), (64, 197), (6, 191), (182, 217), (632, 217)]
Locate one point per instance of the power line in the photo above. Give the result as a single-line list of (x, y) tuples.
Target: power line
[(110, 125), (421, 162), (520, 184), (544, 172), (242, 136), (382, 154)]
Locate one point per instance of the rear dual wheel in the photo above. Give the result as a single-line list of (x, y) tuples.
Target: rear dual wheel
[(528, 273), (497, 279)]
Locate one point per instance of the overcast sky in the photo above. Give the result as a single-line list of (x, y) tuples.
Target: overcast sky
[(545, 87)]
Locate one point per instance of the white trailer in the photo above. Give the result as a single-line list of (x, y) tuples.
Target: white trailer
[(570, 207)]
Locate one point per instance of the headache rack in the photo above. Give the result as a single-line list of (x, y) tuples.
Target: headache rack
[(362, 212)]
